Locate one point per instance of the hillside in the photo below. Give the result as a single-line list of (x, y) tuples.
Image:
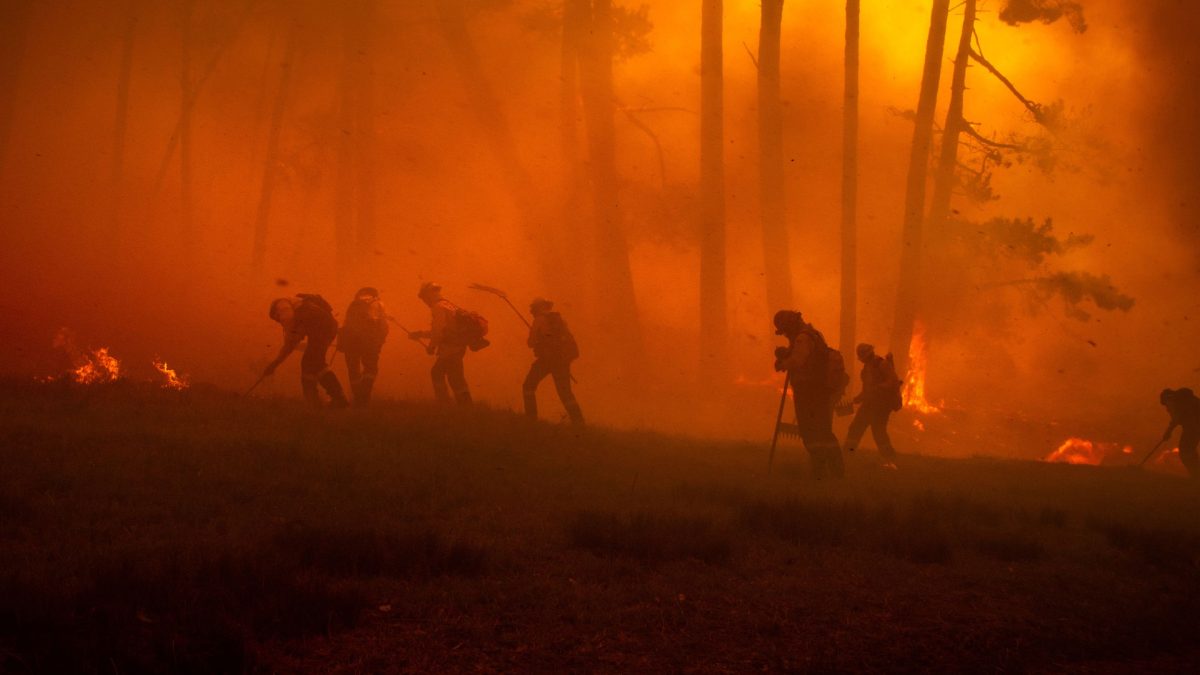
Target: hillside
[(144, 530)]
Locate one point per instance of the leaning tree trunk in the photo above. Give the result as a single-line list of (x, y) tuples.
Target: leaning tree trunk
[(121, 121), (489, 114), (263, 218), (850, 186), (776, 256), (947, 168), (618, 303), (713, 310), (908, 288)]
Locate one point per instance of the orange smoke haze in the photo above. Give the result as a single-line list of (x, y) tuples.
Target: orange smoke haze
[(106, 242)]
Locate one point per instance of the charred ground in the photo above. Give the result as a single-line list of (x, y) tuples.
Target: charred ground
[(145, 530)]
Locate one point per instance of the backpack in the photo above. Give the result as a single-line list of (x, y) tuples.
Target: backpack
[(324, 309), (828, 366), (471, 327), (559, 342), (359, 326), (889, 369)]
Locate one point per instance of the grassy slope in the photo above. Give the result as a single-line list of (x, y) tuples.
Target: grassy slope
[(148, 531)]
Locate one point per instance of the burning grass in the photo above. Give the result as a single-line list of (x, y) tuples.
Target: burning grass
[(144, 531)]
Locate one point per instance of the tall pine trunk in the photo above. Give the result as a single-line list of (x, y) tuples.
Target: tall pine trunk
[(776, 252), (572, 238), (188, 235), (262, 220), (344, 181), (121, 120), (849, 313), (713, 310), (947, 168), (14, 29), (364, 132), (617, 301), (908, 287)]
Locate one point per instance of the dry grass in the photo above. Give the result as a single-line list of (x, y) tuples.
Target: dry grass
[(143, 532)]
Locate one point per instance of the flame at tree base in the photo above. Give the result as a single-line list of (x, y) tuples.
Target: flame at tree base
[(173, 379), (912, 392)]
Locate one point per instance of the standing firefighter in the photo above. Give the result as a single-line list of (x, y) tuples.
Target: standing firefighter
[(361, 340), (453, 330), (1184, 408), (818, 378), (880, 397), (308, 317), (554, 349)]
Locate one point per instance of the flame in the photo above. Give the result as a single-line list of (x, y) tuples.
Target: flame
[(1083, 451), (918, 424), (913, 392), (173, 380), (98, 366)]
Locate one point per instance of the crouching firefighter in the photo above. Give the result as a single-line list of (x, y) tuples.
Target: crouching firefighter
[(554, 348), (453, 330), (813, 371), (308, 317), (361, 339), (1184, 409), (880, 397)]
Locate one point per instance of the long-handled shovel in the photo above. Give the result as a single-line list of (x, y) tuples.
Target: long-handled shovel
[(503, 296), (778, 421), (409, 333), (255, 385), (1152, 452)]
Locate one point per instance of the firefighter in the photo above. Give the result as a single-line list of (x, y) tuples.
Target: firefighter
[(360, 341), (448, 343), (554, 349), (807, 362), (308, 317), (1184, 408), (879, 398)]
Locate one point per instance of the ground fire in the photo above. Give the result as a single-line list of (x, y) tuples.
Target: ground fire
[(1083, 451), (172, 380)]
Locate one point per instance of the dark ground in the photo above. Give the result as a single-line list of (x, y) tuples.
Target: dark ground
[(150, 531)]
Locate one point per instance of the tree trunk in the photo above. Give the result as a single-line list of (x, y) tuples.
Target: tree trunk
[(947, 170), (188, 234), (365, 141), (713, 312), (343, 198), (617, 304), (909, 284), (262, 221), (850, 187), (14, 28), (776, 253), (571, 242), (489, 114), (121, 122)]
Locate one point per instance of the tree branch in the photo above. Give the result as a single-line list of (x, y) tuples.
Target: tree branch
[(1035, 108), (753, 58), (973, 133), (662, 161)]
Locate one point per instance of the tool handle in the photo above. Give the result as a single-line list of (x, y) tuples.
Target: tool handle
[(778, 421)]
